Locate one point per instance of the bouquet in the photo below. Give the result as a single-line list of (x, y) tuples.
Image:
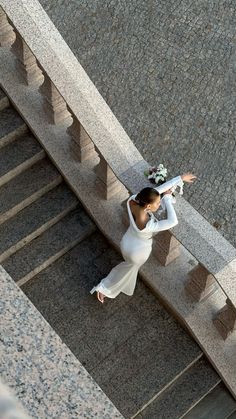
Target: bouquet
[(157, 174)]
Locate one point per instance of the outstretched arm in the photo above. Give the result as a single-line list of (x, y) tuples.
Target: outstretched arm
[(176, 181)]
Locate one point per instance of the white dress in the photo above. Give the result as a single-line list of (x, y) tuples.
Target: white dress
[(136, 246)]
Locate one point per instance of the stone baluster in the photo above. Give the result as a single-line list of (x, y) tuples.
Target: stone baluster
[(108, 184), (225, 321), (26, 62), (54, 104), (7, 34), (165, 247), (201, 283), (82, 143)]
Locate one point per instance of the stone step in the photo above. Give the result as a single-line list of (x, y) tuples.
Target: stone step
[(218, 404), (12, 126), (125, 344), (28, 186), (18, 156), (183, 393), (49, 246), (35, 219), (4, 101)]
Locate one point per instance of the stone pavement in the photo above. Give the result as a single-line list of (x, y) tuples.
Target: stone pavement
[(166, 69), (127, 343)]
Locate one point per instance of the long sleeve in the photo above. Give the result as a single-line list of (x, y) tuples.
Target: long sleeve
[(176, 181), (171, 219)]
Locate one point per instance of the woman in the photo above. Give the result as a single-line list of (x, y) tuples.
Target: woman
[(136, 244)]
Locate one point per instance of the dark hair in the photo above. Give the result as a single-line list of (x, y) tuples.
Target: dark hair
[(146, 196)]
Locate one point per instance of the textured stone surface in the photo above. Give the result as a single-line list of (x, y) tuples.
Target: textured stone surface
[(34, 217), (18, 192), (18, 152), (10, 122), (167, 286), (218, 404), (127, 343), (46, 377), (102, 127), (9, 406), (167, 73), (71, 229), (227, 278), (189, 388), (4, 101), (2, 94), (168, 283)]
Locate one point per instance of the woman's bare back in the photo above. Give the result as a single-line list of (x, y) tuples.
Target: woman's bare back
[(139, 216)]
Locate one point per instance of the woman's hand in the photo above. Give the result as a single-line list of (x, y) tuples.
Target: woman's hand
[(188, 177)]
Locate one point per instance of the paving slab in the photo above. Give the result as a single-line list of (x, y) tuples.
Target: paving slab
[(23, 189), (50, 245), (218, 404), (11, 125), (36, 218), (127, 343), (40, 369), (187, 390), (146, 363), (18, 156)]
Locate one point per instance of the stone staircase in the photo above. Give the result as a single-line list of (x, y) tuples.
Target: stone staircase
[(144, 361)]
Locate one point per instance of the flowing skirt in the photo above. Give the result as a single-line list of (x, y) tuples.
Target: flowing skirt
[(123, 277)]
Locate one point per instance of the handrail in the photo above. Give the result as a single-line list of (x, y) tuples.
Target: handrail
[(59, 64)]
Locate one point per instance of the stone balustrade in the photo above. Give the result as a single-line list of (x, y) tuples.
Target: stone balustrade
[(68, 93)]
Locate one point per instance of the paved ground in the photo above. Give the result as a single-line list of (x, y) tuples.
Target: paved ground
[(125, 344), (166, 69)]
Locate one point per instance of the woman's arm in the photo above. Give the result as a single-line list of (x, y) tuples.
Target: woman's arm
[(176, 181), (171, 219)]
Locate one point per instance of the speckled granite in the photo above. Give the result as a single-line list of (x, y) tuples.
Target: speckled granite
[(183, 394), (74, 227), (9, 407), (16, 153), (54, 204), (17, 193), (44, 374), (10, 121)]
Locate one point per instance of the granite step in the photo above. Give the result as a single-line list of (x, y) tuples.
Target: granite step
[(49, 246), (18, 156), (28, 186), (4, 101), (127, 343), (218, 404), (35, 219), (182, 394), (12, 126)]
